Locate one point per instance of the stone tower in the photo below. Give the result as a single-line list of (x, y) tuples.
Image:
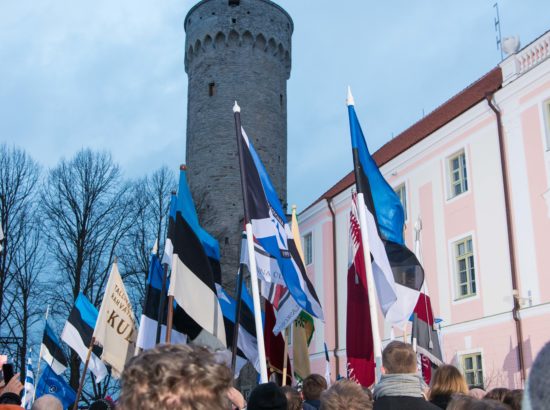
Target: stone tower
[(235, 50)]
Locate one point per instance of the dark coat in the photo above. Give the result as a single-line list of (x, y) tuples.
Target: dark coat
[(403, 402), (441, 400), (311, 404)]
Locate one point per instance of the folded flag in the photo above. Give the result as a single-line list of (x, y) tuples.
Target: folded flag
[(327, 366), (52, 353), (28, 394), (272, 231), (115, 328), (78, 332), (397, 273), (52, 383), (274, 346), (192, 281), (359, 339), (147, 334)]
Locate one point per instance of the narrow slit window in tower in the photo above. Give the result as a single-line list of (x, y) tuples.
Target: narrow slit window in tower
[(233, 21), (233, 3), (211, 89), (281, 99)]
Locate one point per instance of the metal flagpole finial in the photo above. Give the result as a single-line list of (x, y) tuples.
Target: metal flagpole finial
[(294, 208), (155, 247), (236, 107), (350, 100)]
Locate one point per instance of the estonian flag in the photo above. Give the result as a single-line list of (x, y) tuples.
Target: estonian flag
[(28, 395), (272, 231), (51, 383), (149, 318), (397, 273), (78, 332), (52, 352), (192, 280)]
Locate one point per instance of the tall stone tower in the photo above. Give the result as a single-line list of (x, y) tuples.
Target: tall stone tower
[(235, 50)]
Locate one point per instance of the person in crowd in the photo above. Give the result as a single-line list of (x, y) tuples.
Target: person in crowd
[(47, 402), (464, 402), (513, 399), (400, 387), (171, 377), (293, 398), (368, 392), (236, 398), (537, 390), (477, 393), (11, 392), (102, 404), (267, 396), (497, 394), (312, 387), (446, 381), (345, 395)]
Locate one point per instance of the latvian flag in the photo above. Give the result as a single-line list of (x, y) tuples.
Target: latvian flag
[(359, 342), (192, 280), (272, 231), (52, 352), (78, 332), (397, 273)]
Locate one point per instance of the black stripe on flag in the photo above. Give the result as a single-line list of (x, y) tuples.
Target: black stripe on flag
[(54, 349), (84, 330)]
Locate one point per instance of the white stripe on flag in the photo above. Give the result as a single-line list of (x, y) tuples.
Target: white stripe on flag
[(147, 335), (71, 336), (57, 367)]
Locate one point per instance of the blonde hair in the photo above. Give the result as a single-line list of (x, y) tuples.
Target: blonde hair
[(345, 395), (175, 377), (447, 380)]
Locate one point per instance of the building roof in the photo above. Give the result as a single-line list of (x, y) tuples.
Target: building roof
[(442, 115)]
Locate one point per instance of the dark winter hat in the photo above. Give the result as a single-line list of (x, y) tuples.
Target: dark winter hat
[(267, 396)]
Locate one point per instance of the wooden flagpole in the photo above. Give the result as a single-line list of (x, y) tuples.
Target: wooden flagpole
[(83, 377), (251, 257), (170, 319), (237, 319), (285, 357)]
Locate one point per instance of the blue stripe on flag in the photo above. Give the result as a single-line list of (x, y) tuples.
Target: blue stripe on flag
[(88, 312)]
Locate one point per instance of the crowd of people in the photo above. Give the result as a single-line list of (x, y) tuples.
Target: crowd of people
[(186, 377)]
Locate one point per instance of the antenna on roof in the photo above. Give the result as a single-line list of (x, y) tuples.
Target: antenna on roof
[(497, 30)]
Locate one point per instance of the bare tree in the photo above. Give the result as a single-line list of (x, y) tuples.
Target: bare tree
[(19, 174), (88, 210)]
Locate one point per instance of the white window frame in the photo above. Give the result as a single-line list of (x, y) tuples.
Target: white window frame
[(403, 198), (463, 170), (305, 242), (456, 273), (462, 360)]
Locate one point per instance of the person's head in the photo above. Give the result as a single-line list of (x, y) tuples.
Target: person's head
[(47, 402), (175, 376), (267, 396), (345, 395), (447, 380), (293, 398), (497, 394), (461, 401), (398, 357), (477, 393), (313, 386), (514, 398), (102, 404), (537, 391)]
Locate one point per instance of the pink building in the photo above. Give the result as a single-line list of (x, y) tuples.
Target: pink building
[(485, 223)]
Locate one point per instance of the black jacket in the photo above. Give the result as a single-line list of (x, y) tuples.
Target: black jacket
[(441, 400), (403, 402), (10, 398)]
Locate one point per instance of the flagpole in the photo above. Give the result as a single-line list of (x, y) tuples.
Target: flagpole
[(285, 357), (160, 316), (237, 319), (170, 319), (41, 350), (251, 257), (81, 384)]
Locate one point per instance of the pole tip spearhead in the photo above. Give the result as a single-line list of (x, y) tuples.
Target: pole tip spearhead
[(155, 247), (350, 100), (294, 208), (183, 167), (236, 107)]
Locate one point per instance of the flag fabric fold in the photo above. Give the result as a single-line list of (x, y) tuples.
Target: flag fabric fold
[(274, 346), (28, 394), (273, 233), (115, 328), (192, 280), (78, 332), (52, 383), (359, 339), (397, 273), (52, 353)]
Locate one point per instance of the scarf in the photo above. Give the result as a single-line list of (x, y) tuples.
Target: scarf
[(400, 384)]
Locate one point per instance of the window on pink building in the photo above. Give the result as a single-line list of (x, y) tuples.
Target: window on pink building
[(473, 370), (308, 248), (458, 175), (547, 122), (401, 192), (465, 268)]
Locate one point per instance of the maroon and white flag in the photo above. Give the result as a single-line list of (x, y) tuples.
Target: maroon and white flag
[(359, 342)]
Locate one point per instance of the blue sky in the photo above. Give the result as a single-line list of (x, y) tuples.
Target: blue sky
[(110, 75)]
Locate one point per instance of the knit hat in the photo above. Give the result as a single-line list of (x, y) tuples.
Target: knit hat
[(267, 396), (537, 391)]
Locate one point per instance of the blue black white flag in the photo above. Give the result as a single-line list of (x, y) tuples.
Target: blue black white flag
[(78, 332), (52, 352), (192, 281), (149, 318), (272, 230), (51, 383), (28, 394), (397, 273)]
